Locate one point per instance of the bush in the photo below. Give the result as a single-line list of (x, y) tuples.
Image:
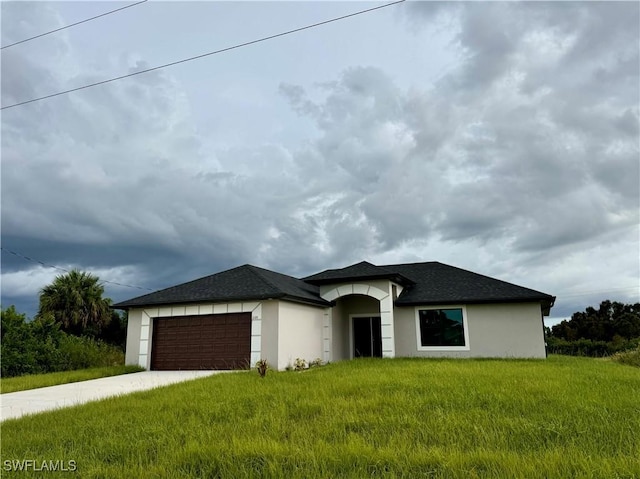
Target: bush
[(300, 364), (79, 352), (631, 357), (315, 363), (588, 347), (40, 346), (29, 347), (115, 332), (18, 345)]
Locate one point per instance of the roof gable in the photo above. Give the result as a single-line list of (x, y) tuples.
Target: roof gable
[(362, 270), (246, 282)]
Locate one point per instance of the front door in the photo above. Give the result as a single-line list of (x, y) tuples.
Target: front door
[(367, 337)]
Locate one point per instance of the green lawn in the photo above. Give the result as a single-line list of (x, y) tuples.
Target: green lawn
[(555, 418), (33, 381)]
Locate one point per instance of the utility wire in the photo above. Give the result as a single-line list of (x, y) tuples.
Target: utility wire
[(72, 25), (240, 45), (19, 255)]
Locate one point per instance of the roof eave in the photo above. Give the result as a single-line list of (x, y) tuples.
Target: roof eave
[(546, 302), (125, 306), (295, 299)]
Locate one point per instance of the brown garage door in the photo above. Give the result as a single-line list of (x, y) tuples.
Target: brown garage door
[(216, 341)]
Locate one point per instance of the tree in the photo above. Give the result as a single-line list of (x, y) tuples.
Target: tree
[(611, 320), (74, 300), (116, 331), (28, 347), (17, 344)]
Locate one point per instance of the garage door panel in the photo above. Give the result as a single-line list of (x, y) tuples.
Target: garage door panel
[(217, 341)]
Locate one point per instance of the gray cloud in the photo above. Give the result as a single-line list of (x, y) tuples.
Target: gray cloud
[(526, 148)]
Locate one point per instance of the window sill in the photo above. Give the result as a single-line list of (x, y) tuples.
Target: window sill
[(444, 348)]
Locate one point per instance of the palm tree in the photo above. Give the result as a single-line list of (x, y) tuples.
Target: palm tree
[(75, 301)]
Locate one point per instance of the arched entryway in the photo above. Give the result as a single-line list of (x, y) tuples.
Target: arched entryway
[(361, 322)]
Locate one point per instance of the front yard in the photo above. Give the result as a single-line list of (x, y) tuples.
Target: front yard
[(561, 417)]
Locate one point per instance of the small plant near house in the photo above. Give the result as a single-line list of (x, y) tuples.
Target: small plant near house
[(315, 363), (300, 364), (262, 366)]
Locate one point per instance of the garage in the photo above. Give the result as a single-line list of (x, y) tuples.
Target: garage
[(215, 341)]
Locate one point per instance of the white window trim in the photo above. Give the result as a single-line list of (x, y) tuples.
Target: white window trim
[(465, 325)]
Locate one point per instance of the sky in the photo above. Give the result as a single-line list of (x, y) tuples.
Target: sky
[(498, 137)]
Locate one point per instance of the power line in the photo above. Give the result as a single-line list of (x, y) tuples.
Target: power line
[(72, 25), (19, 255), (240, 45)]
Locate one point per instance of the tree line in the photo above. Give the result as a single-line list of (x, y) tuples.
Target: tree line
[(610, 328)]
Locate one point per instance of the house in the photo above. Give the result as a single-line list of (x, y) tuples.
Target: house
[(234, 318)]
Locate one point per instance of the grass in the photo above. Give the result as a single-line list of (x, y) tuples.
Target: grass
[(33, 381), (556, 418)]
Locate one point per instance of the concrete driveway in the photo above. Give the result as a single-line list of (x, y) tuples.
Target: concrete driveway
[(20, 403)]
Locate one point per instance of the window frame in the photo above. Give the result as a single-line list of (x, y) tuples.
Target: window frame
[(465, 327)]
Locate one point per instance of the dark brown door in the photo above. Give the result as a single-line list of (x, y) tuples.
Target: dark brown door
[(216, 341)]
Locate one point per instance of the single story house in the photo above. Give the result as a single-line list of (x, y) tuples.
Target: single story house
[(234, 318)]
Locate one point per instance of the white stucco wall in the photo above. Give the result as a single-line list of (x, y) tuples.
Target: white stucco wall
[(495, 330), (269, 350), (132, 350), (340, 334), (283, 331), (139, 334), (300, 330)]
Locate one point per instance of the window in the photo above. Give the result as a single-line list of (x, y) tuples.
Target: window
[(441, 328)]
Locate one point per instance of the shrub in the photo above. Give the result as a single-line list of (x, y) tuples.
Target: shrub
[(79, 352), (115, 332), (588, 347), (40, 346), (631, 357), (300, 364), (18, 346), (315, 363)]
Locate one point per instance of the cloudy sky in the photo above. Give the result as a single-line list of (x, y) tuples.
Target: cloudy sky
[(502, 138)]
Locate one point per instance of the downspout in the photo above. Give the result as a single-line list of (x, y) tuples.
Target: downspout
[(544, 337)]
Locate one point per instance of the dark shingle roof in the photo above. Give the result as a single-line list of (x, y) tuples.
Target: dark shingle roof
[(357, 271), (440, 283), (425, 283), (242, 283)]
